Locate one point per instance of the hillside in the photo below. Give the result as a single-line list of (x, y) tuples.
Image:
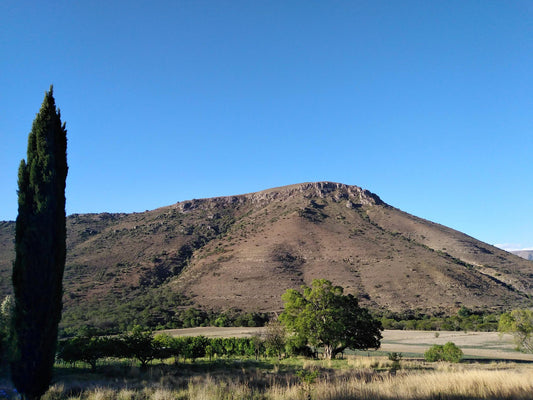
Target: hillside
[(527, 254), (242, 252)]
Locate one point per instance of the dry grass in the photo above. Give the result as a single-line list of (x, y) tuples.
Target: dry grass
[(355, 378), (517, 384)]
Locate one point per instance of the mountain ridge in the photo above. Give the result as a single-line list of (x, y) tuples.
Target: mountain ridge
[(242, 252)]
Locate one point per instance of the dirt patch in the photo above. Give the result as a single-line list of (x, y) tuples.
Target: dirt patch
[(212, 332), (475, 344)]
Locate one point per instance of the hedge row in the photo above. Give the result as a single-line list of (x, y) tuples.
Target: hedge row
[(144, 347)]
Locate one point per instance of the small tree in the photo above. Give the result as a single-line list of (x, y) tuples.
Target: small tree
[(324, 317), (395, 358), (84, 348), (196, 347), (140, 345), (275, 338), (163, 346), (449, 352), (519, 323)]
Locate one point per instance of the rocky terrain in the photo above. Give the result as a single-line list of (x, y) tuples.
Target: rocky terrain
[(242, 252)]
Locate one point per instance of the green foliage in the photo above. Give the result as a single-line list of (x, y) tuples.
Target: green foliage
[(306, 376), (84, 348), (141, 346), (154, 310), (7, 310), (324, 317), (448, 352), (275, 339), (395, 358), (312, 214), (297, 346), (519, 323), (464, 320), (40, 251)]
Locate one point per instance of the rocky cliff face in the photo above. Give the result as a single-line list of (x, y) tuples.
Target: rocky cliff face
[(322, 190)]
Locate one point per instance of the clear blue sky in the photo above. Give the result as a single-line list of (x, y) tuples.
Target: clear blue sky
[(428, 104)]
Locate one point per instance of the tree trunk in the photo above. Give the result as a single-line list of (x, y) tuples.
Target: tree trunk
[(328, 352), (337, 351)]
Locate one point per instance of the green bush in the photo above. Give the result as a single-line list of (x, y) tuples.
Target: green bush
[(449, 352)]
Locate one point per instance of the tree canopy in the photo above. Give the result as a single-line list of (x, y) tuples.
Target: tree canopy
[(519, 323), (324, 317)]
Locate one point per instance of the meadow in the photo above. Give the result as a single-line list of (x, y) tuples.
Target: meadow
[(475, 345), (355, 377), (499, 373)]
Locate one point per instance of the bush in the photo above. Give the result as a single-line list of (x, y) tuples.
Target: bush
[(449, 352)]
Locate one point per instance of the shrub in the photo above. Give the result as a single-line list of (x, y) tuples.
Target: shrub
[(449, 352)]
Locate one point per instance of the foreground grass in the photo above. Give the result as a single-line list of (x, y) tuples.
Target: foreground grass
[(353, 378)]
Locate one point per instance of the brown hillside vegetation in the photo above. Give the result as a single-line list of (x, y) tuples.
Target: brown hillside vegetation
[(242, 252)]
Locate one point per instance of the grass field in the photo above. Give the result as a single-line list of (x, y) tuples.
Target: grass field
[(355, 377), (488, 345), (488, 373)]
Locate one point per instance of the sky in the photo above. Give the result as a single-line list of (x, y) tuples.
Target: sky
[(428, 104)]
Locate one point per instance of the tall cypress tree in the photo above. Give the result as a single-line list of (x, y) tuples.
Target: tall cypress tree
[(40, 249)]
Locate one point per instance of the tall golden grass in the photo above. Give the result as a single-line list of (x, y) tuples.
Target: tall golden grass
[(362, 380)]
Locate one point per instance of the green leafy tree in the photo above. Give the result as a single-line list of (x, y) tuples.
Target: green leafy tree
[(84, 348), (519, 323), (258, 346), (325, 317), (140, 345), (39, 251), (163, 346), (195, 347)]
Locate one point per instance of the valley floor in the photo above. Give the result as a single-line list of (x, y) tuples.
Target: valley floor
[(354, 377), (491, 370), (488, 345)]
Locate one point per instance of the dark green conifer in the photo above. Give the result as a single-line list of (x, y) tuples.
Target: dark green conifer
[(40, 251)]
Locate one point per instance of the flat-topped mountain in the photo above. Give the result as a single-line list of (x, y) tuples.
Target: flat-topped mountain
[(242, 252)]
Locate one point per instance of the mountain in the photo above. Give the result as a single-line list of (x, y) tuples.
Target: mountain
[(527, 254), (243, 252)]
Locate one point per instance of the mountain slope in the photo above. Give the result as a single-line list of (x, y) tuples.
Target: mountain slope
[(242, 252), (527, 254)]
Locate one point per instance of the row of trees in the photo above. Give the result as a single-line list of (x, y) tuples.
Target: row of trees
[(144, 347), (464, 320), (152, 315), (320, 316)]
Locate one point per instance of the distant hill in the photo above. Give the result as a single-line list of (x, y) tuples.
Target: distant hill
[(527, 254), (242, 252)]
